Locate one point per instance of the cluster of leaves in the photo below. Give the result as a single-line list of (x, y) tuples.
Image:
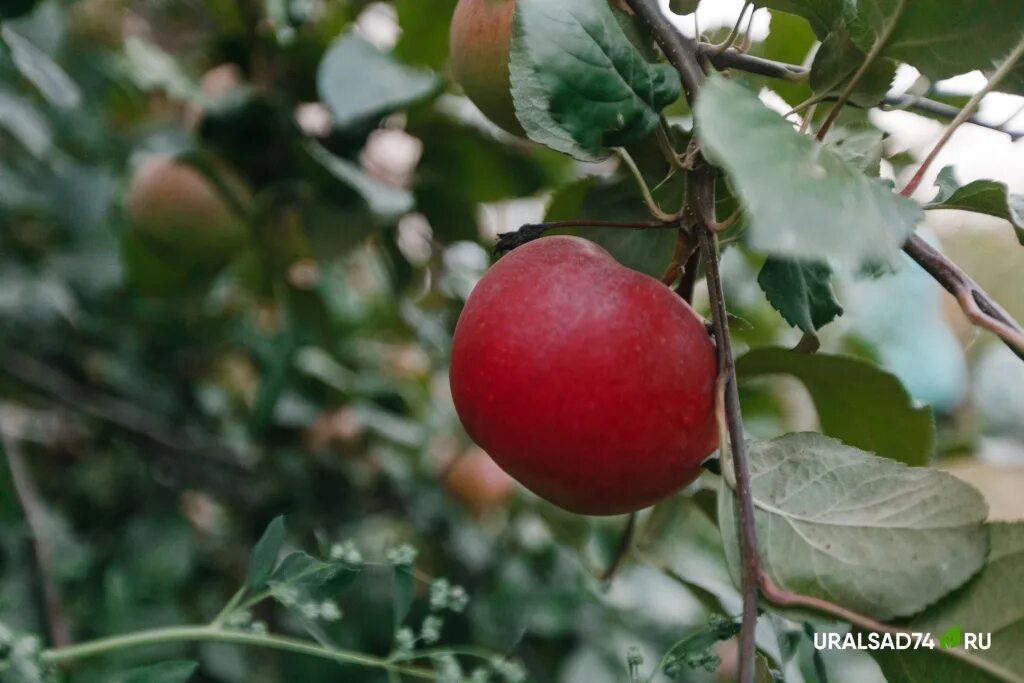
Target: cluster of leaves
[(307, 372)]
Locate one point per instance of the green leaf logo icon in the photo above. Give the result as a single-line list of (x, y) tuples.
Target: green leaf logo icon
[(951, 638)]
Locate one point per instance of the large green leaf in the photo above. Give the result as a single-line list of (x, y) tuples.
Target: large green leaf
[(648, 251), (384, 201), (989, 197), (857, 402), (264, 554), (838, 59), (801, 291), (864, 532), (357, 81), (802, 198), (991, 603), (942, 38), (823, 15), (578, 83)]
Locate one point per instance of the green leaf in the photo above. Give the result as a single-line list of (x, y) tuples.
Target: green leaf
[(165, 672), (387, 202), (862, 146), (835, 63), (264, 554), (857, 402), (988, 197), (863, 532), (578, 83), (357, 81), (648, 251), (403, 584), (25, 124), (992, 602), (801, 197), (823, 15), (942, 38), (801, 291), (424, 26), (695, 650), (150, 68), (302, 575), (40, 70)]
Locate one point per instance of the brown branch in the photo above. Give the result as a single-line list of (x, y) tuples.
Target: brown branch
[(507, 241), (35, 519), (979, 307), (682, 53), (733, 59), (783, 598)]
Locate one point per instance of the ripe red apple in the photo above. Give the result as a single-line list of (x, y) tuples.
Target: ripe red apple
[(590, 383), (478, 483), (180, 214), (481, 36)]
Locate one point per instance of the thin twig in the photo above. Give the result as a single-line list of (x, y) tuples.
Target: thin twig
[(731, 38), (874, 53), (507, 241), (733, 59), (965, 114), (977, 305), (645, 191), (682, 53), (35, 518), (783, 598)]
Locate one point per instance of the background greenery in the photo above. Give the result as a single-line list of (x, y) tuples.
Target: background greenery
[(168, 411)]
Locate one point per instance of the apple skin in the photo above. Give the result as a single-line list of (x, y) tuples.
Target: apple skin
[(179, 213), (480, 42), (591, 384)]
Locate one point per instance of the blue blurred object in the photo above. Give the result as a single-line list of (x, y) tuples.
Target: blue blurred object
[(900, 315)]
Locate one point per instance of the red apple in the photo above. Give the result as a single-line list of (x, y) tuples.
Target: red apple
[(481, 36), (590, 383)]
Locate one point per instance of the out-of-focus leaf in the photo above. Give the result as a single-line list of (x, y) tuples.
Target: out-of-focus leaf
[(835, 63), (150, 68), (942, 38), (864, 532), (19, 118), (862, 146), (801, 291), (12, 9), (264, 553), (801, 197), (856, 401), (823, 15), (301, 576), (386, 201), (424, 31), (40, 69), (991, 603), (789, 40), (403, 583), (564, 97), (357, 81), (694, 651), (165, 672), (988, 197)]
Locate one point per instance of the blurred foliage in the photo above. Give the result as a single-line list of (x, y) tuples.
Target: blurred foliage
[(170, 411)]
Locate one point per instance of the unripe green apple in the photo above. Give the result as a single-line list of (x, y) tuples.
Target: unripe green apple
[(179, 214), (590, 383), (481, 36)]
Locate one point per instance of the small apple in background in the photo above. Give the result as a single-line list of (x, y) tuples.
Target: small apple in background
[(590, 383), (179, 214), (476, 481), (480, 41)]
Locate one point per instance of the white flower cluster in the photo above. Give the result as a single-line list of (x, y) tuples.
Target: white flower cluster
[(443, 595)]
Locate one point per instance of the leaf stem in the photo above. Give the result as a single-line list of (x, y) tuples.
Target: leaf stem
[(652, 205)]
